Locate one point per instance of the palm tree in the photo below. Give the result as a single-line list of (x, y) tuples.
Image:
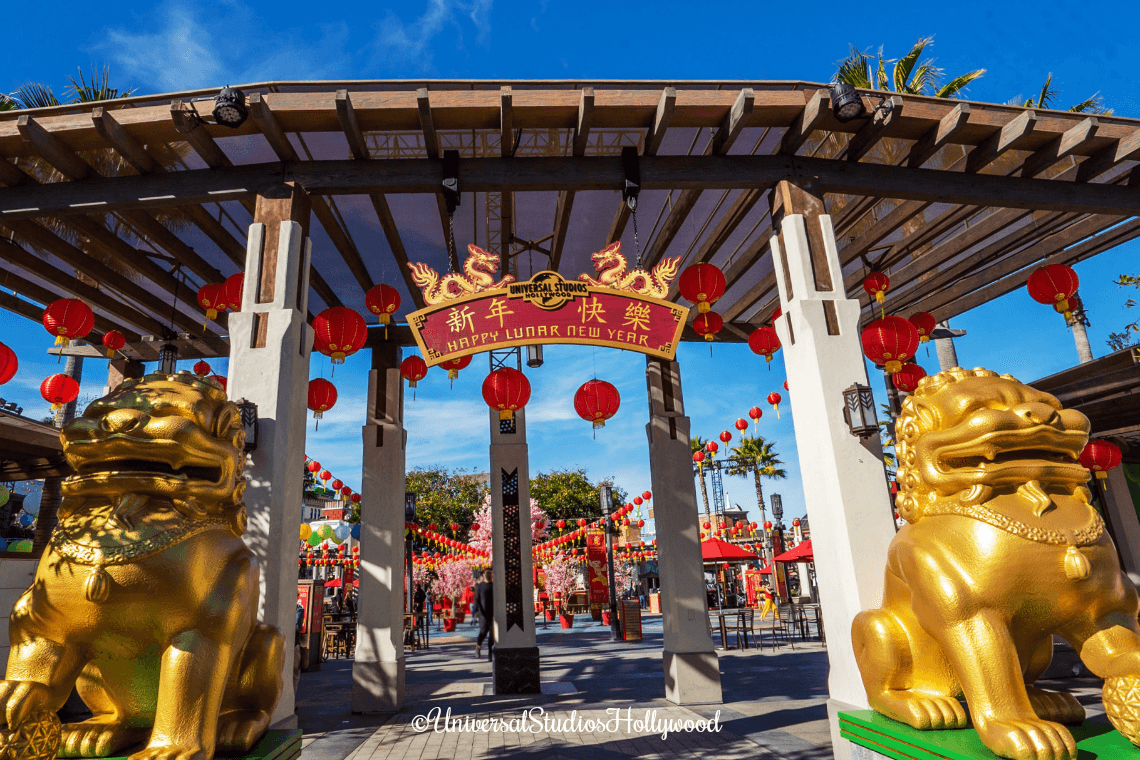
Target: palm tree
[(1048, 95), (696, 443), (756, 456), (909, 75)]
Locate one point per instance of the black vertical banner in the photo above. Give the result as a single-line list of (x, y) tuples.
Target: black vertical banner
[(512, 559)]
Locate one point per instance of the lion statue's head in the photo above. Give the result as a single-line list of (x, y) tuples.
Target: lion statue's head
[(972, 434), (172, 437)]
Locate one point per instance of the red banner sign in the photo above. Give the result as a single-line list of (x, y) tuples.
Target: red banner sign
[(548, 309), (598, 567)]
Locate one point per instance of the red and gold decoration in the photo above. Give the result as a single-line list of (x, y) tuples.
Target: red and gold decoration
[(212, 298), (906, 379), (1100, 456), (765, 342), (877, 284), (413, 369), (597, 570), (924, 323), (741, 425), (59, 390), (699, 459), (339, 332), (322, 397), (702, 284), (68, 319), (755, 413), (383, 301), (774, 399), (708, 324), (597, 401), (725, 437), (8, 363), (1054, 284), (454, 365), (506, 390), (202, 368), (711, 448), (113, 341), (233, 291), (890, 341)]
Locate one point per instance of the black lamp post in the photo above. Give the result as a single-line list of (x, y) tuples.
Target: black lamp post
[(409, 516), (607, 508)]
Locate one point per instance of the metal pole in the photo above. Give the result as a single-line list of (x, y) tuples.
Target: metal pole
[(607, 507)]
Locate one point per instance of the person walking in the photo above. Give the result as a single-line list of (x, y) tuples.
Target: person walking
[(485, 608), (418, 600)]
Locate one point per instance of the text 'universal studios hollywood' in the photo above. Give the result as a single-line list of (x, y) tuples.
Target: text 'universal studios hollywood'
[(536, 720)]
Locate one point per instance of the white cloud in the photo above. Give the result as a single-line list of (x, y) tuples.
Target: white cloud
[(411, 44)]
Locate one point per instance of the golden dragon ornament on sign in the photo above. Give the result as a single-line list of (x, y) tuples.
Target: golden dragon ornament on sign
[(613, 272), (477, 276)]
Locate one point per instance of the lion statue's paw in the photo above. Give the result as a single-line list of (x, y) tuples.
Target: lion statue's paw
[(100, 736), (1022, 739), (239, 729), (171, 752), (1056, 706), (1121, 696), (924, 713), (20, 699)]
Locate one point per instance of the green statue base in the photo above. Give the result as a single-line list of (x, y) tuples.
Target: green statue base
[(883, 737), (281, 744)]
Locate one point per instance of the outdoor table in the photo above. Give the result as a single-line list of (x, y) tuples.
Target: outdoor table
[(721, 615)]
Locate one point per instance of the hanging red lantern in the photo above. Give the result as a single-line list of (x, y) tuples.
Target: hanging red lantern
[(8, 363), (641, 523), (768, 525), (725, 437), (637, 501), (454, 365), (325, 476), (755, 413), (413, 369), (741, 425), (877, 284), (313, 466), (774, 399), (455, 527), (339, 332), (906, 379), (59, 390), (699, 459), (925, 323), (702, 284), (765, 342), (581, 522), (202, 368), (322, 398), (647, 495), (113, 341), (68, 319), (507, 390), (1099, 455), (1054, 284), (219, 379), (706, 525), (212, 298), (337, 484), (383, 301), (346, 492), (796, 523), (786, 386), (890, 341), (597, 401), (708, 324), (233, 291), (711, 447), (561, 525), (354, 498)]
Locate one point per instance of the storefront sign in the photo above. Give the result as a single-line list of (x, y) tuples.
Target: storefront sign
[(598, 567)]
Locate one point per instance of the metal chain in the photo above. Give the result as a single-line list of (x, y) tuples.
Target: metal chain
[(632, 203), (452, 256)]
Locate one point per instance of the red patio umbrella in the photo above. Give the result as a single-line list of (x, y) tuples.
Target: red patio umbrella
[(335, 583), (801, 553), (715, 550)]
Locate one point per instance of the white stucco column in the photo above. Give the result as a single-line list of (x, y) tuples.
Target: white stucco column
[(378, 670), (844, 486), (692, 669), (1121, 514), (269, 365), (516, 664)]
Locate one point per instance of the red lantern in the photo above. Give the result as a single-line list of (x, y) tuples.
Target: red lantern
[(765, 342), (202, 368), (346, 492), (712, 448), (637, 501), (755, 413), (233, 291), (597, 401), (647, 495), (325, 476), (383, 300), (337, 484), (890, 341), (68, 319), (708, 324), (786, 386), (877, 284), (313, 467), (581, 522), (725, 437), (219, 379), (742, 425), (753, 526), (507, 390), (907, 378), (59, 390), (212, 298), (561, 525), (339, 332), (454, 365), (641, 523), (774, 399), (455, 527), (702, 284), (699, 458), (113, 341), (1054, 284), (413, 369), (355, 498), (8, 363), (706, 525), (796, 523), (1099, 455), (925, 323), (768, 525)]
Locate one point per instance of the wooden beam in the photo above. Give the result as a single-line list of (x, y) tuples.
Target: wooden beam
[(1000, 141), (948, 128), (232, 247), (121, 140), (895, 218), (661, 120), (585, 115), (727, 224), (11, 175), (870, 133), (507, 197), (506, 123), (1124, 149), (1059, 147), (733, 123), (263, 117), (349, 125), (427, 123), (815, 111), (750, 297), (323, 289), (52, 149), (31, 290), (392, 233), (342, 241), (566, 197), (190, 128)]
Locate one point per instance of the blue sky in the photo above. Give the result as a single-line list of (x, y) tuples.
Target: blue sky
[(194, 43)]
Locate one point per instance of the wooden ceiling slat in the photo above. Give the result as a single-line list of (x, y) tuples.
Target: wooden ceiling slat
[(1123, 149), (506, 123), (765, 286), (870, 133), (427, 123), (1059, 148), (10, 174), (123, 142), (566, 197), (232, 247), (937, 137), (271, 130), (814, 113), (1000, 141), (350, 126), (52, 149), (193, 131), (28, 289), (507, 197), (662, 119)]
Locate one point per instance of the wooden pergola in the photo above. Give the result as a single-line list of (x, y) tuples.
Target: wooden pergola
[(132, 204)]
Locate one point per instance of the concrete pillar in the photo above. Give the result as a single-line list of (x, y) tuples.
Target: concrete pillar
[(1121, 514), (844, 487), (119, 370), (378, 671), (269, 365), (947, 355), (692, 670), (516, 666)]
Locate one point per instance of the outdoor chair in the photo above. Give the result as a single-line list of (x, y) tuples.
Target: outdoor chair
[(745, 624)]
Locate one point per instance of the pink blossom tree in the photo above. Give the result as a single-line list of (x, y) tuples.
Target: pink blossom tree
[(560, 577), (481, 538), (453, 579)]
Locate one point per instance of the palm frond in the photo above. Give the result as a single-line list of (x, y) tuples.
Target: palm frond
[(8, 104), (853, 70), (1047, 95), (1093, 104), (906, 66), (35, 95), (99, 89), (957, 85), (925, 79), (882, 82)]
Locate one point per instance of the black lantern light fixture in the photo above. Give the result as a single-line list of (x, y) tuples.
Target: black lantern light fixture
[(229, 107), (167, 358), (859, 411), (846, 103), (248, 411), (534, 356)]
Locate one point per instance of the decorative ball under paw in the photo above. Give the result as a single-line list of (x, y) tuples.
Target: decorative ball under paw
[(36, 739), (1121, 697)]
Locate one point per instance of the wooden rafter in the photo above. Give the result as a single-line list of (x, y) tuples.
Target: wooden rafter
[(506, 150), (566, 197), (653, 139), (43, 295)]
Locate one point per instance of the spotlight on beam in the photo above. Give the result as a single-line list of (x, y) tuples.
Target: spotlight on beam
[(229, 107), (846, 103)]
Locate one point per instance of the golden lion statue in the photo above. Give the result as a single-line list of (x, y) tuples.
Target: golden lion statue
[(146, 599), (1002, 550)]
